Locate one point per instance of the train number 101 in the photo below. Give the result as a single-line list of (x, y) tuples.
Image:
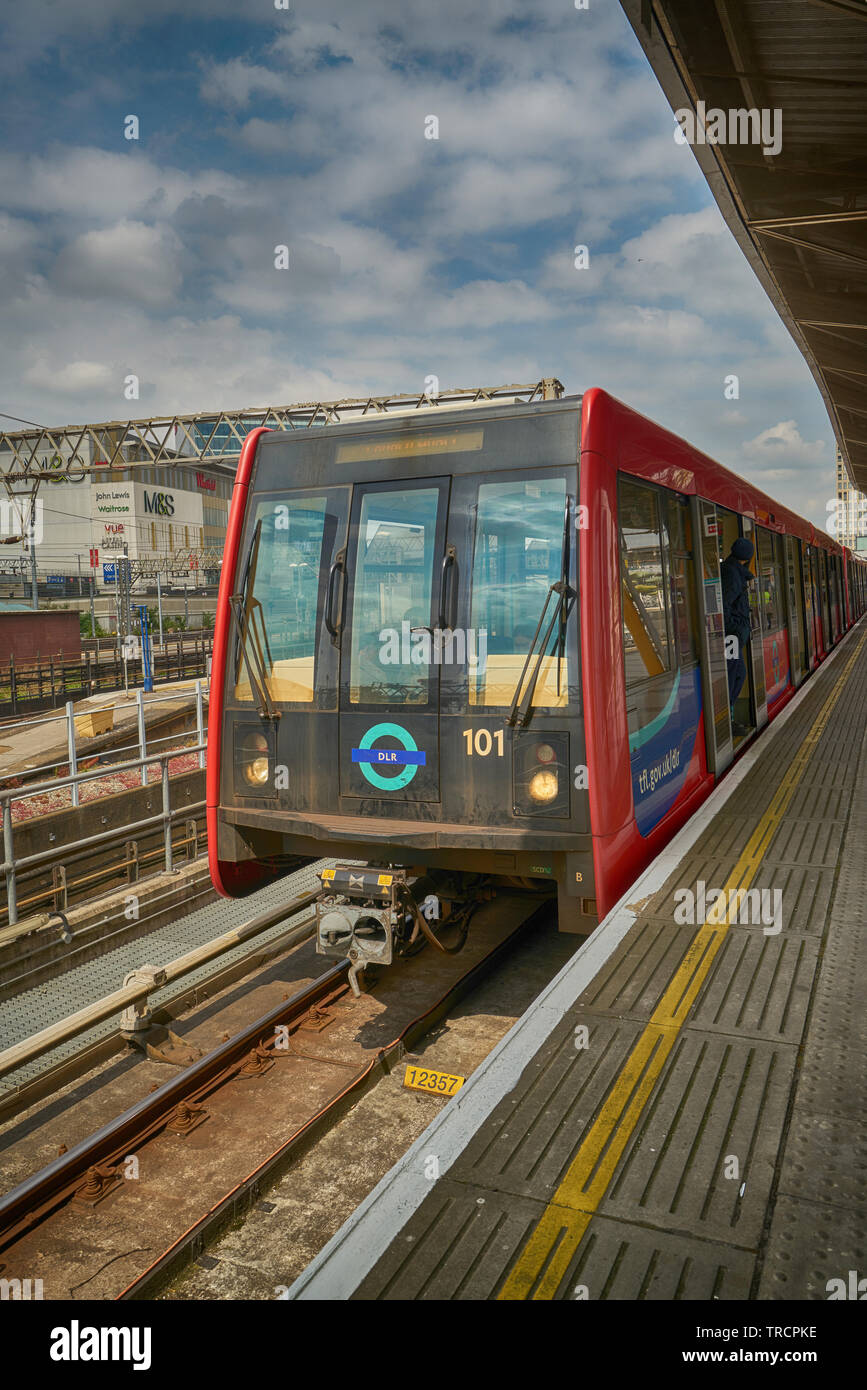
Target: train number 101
[(481, 741)]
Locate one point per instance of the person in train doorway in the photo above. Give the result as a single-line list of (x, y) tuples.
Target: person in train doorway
[(736, 576)]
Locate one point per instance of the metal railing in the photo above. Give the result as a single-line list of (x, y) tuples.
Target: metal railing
[(11, 867), (69, 716), (131, 998), (47, 685)]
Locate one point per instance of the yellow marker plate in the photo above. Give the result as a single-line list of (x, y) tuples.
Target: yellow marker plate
[(439, 1083)]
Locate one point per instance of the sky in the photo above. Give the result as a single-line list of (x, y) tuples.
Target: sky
[(308, 127)]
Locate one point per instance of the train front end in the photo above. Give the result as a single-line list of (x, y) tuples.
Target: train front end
[(396, 674)]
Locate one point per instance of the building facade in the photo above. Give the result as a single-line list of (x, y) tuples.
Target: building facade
[(169, 519), (851, 513)]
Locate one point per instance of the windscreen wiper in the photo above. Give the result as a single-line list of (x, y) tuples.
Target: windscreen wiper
[(522, 706), (564, 580)]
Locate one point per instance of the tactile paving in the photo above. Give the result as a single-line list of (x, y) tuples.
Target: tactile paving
[(813, 1243), (769, 1068), (461, 1242), (758, 984)]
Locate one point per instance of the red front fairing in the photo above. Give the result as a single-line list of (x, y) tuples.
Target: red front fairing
[(614, 437), (232, 880)]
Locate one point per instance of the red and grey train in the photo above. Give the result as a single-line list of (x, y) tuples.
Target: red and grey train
[(485, 645)]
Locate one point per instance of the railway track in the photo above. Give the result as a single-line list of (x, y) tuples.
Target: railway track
[(138, 1197)]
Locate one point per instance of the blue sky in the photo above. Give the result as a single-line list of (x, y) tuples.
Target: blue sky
[(409, 257)]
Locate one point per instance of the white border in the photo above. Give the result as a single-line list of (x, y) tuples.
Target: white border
[(345, 1261)]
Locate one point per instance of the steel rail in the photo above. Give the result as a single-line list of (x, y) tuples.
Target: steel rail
[(383, 1061), (40, 1194), (184, 997)]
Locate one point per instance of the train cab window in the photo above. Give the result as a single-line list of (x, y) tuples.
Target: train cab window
[(643, 538), (390, 645), (287, 560), (521, 542)]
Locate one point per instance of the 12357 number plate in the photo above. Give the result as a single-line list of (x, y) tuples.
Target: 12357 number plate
[(439, 1083)]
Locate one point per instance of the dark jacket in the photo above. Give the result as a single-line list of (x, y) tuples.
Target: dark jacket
[(736, 600)]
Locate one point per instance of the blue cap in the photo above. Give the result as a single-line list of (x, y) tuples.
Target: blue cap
[(742, 549)]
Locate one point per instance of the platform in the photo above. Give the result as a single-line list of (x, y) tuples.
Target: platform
[(679, 1114)]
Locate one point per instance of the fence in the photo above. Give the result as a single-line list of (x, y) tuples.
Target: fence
[(12, 867), (25, 689), (141, 742)]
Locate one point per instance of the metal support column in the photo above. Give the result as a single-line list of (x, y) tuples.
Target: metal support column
[(70, 743), (142, 734), (200, 721)]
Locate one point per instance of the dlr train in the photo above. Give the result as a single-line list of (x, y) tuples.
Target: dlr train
[(482, 643)]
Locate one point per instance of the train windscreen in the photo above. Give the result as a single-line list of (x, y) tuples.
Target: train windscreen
[(393, 586), (518, 556), (279, 595)]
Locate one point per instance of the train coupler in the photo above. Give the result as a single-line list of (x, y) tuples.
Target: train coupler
[(361, 914)]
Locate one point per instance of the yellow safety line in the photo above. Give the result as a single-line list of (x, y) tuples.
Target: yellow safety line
[(544, 1260)]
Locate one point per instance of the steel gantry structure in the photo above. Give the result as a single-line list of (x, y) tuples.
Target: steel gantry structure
[(799, 215), (212, 437)]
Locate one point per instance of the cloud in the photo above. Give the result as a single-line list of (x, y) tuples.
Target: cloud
[(781, 452), (129, 261), (407, 256), (235, 83), (80, 378), (86, 185)]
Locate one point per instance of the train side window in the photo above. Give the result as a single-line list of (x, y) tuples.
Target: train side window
[(682, 581), (646, 618), (770, 580)]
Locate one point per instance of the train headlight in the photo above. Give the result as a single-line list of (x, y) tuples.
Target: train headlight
[(540, 772), (253, 760), (544, 786)]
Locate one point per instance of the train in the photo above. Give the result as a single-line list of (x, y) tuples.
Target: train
[(479, 643)]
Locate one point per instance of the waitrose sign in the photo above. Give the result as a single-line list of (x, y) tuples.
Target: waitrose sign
[(109, 501)]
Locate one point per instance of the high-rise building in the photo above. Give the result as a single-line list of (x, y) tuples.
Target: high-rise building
[(851, 515)]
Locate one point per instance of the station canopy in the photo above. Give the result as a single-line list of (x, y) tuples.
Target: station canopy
[(799, 214)]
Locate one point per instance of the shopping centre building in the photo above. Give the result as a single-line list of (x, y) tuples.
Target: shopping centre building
[(168, 518)]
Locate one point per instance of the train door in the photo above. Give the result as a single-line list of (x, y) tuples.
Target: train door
[(822, 562), (837, 591), (399, 576), (795, 610), (811, 590), (775, 636), (717, 719), (758, 714)]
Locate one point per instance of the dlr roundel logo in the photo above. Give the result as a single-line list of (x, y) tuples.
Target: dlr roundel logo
[(160, 503)]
